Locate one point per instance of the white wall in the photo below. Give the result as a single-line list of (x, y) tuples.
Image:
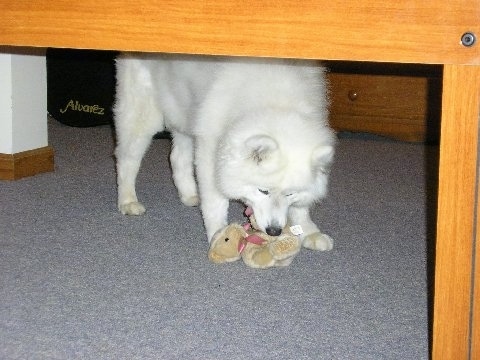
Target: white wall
[(6, 117), (23, 100)]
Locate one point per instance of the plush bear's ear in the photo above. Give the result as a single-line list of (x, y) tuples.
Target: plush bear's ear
[(322, 158), (259, 147)]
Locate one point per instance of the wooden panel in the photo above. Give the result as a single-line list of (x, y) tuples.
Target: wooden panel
[(375, 30), (26, 163), (456, 209), (395, 106), (378, 125), (475, 347)]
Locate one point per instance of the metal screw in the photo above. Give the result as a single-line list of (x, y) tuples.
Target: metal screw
[(468, 39)]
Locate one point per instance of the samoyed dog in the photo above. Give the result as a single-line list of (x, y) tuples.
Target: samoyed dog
[(254, 130)]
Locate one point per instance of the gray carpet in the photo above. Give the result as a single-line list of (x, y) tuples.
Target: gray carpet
[(78, 280)]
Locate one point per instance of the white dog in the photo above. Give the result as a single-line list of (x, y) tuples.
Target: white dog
[(255, 129)]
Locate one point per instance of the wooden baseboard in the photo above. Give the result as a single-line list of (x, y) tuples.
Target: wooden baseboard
[(26, 163)]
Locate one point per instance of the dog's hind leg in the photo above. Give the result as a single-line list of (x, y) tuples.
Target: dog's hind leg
[(129, 154), (181, 160), (311, 238), (137, 119)]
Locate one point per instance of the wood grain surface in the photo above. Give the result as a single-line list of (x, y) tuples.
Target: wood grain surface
[(375, 30), (26, 163), (456, 213), (394, 106)]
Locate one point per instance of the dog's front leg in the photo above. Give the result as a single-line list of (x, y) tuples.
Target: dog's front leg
[(213, 204), (214, 211), (312, 238)]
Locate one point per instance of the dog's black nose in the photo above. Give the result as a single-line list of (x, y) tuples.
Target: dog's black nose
[(273, 231)]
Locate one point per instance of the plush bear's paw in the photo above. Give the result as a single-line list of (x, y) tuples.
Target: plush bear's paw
[(132, 208), (193, 200), (261, 259), (318, 241), (285, 247), (284, 262), (219, 258)]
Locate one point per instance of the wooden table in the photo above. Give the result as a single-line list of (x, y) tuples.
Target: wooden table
[(377, 30)]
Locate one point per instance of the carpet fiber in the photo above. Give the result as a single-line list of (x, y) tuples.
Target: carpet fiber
[(78, 280)]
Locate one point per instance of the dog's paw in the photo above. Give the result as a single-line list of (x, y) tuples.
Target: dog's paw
[(132, 208), (190, 200), (318, 241)]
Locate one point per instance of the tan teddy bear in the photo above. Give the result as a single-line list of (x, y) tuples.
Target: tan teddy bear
[(257, 249)]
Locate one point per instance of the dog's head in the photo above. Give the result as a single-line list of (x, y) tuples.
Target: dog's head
[(271, 171)]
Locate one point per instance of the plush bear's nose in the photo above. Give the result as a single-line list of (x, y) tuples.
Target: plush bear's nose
[(273, 230)]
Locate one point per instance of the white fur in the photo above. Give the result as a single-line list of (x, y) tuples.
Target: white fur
[(255, 129)]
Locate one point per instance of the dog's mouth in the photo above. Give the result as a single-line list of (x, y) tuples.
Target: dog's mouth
[(272, 229)]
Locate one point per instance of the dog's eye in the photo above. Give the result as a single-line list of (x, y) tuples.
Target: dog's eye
[(226, 239), (264, 192)]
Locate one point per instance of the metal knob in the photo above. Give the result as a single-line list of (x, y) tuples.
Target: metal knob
[(353, 95)]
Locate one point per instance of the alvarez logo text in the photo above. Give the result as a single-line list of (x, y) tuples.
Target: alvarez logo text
[(76, 106)]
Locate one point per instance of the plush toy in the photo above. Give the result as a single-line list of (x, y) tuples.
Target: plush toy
[(257, 249)]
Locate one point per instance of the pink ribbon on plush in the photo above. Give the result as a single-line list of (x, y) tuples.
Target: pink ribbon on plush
[(254, 239)]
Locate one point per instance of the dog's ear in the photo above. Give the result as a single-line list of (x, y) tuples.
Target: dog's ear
[(259, 147), (322, 158)]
